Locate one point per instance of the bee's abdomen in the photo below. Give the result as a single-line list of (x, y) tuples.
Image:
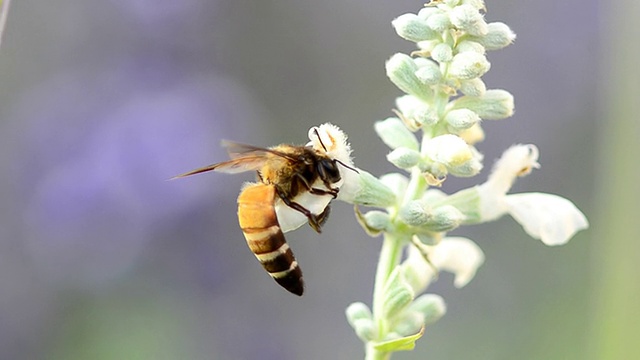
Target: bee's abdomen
[(258, 221)]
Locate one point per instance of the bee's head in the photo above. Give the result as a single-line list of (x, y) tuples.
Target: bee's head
[(328, 170)]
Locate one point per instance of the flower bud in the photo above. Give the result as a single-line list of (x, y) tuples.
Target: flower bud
[(415, 213), (395, 134), (442, 53), (377, 220), (404, 158), (431, 306), (444, 219), (409, 322), (401, 70), (429, 72), (438, 22), (358, 310), (499, 35), (413, 108), (493, 105), (467, 18), (426, 12), (461, 119), (470, 46), (413, 28), (473, 87), (469, 65), (397, 294), (449, 150), (361, 320)]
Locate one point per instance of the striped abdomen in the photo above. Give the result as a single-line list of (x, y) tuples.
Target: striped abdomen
[(258, 221)]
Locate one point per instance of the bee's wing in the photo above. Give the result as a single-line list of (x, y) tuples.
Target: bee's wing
[(243, 158), (238, 150), (233, 166)]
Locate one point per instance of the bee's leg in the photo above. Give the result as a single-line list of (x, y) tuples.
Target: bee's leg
[(324, 215), (315, 221), (315, 191), (333, 192)]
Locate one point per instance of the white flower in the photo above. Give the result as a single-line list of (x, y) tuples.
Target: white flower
[(547, 217), (550, 218), (457, 255)]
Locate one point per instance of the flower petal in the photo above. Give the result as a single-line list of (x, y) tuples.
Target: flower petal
[(550, 218)]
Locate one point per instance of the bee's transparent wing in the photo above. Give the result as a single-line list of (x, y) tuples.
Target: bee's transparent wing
[(243, 158)]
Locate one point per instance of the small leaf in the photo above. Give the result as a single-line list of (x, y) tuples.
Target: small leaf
[(400, 344)]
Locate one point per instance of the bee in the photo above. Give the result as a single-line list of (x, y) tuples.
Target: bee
[(287, 174)]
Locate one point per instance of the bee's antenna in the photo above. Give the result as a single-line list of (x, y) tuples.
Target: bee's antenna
[(320, 139), (347, 166)]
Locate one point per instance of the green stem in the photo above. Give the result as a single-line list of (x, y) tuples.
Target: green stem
[(388, 260)]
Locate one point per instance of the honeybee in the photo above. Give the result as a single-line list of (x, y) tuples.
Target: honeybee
[(287, 174)]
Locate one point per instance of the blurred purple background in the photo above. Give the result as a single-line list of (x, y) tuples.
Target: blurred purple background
[(102, 101)]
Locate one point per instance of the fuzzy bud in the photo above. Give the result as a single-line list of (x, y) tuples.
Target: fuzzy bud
[(499, 35), (469, 65), (493, 105), (431, 306), (401, 70), (361, 320), (461, 119), (429, 72), (438, 22), (377, 220), (413, 28), (415, 213), (395, 134), (421, 112), (442, 53), (473, 87), (468, 18), (404, 158)]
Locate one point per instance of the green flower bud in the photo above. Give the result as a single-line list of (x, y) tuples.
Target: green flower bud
[(395, 134), (439, 22), (442, 53), (467, 18), (401, 70), (409, 322), (473, 87), (415, 213), (444, 218), (413, 108), (398, 294), (404, 158), (357, 311), (461, 119), (472, 46), (413, 28), (377, 220), (426, 12), (493, 105), (431, 306), (361, 320), (469, 65), (499, 35), (429, 72)]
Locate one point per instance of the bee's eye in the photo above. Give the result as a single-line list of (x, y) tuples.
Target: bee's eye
[(328, 170)]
